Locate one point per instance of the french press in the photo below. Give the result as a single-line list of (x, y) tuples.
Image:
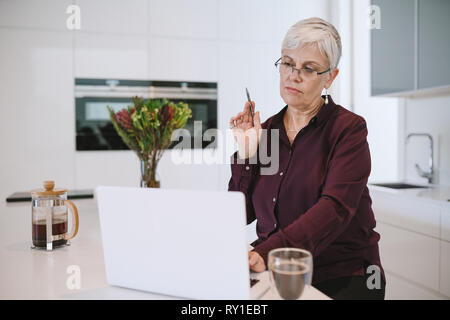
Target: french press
[(49, 221)]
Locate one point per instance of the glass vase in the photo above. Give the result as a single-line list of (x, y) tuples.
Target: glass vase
[(149, 177)]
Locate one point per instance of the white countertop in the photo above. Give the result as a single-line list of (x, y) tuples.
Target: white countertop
[(433, 194), (36, 274)]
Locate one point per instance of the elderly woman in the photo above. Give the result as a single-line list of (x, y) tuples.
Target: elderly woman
[(318, 199)]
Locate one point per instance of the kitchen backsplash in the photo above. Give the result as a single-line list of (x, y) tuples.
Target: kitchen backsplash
[(428, 115)]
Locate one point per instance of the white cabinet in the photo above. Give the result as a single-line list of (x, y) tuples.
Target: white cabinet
[(37, 109), (42, 14), (445, 224), (445, 268), (401, 289), (187, 19), (181, 59), (265, 20), (289, 12), (251, 20), (189, 175), (414, 246), (409, 255), (111, 56), (122, 168), (411, 214), (113, 168), (114, 16), (445, 251), (112, 41)]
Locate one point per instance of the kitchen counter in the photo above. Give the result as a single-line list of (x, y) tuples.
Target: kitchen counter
[(433, 194), (36, 274), (414, 223)]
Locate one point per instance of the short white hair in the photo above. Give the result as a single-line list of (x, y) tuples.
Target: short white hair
[(315, 30)]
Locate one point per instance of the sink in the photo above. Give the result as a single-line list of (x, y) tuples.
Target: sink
[(398, 185)]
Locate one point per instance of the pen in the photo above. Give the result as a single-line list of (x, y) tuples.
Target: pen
[(250, 101), (251, 109)]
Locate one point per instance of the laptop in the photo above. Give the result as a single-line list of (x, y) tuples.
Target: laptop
[(184, 243)]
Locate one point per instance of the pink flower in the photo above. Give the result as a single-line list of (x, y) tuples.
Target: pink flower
[(166, 114), (123, 118)]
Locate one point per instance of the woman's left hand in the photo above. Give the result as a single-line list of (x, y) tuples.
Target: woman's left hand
[(256, 262)]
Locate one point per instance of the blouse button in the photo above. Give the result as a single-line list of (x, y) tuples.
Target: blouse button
[(247, 168), (274, 199), (275, 225), (281, 173)]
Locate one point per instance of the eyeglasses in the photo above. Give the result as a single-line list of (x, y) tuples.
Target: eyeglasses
[(305, 73)]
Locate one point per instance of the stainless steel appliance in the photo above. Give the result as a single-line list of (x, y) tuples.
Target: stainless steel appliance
[(94, 130)]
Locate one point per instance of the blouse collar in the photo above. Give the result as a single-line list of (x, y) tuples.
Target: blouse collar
[(324, 112)]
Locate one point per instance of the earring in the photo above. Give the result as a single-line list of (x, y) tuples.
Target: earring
[(326, 96)]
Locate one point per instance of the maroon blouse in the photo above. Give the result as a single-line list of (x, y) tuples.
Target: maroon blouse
[(318, 199)]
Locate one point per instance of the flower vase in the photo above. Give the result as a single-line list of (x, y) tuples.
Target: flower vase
[(149, 177)]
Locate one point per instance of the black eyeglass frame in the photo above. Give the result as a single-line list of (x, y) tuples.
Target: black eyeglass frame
[(278, 62)]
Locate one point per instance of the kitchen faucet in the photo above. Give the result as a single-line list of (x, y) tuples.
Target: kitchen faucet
[(430, 174)]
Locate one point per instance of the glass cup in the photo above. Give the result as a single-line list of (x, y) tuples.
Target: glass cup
[(290, 270)]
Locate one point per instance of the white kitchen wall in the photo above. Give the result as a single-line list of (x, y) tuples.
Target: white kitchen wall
[(232, 42), (244, 63), (341, 16)]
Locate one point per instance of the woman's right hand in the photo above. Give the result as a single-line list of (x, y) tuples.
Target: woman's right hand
[(247, 132)]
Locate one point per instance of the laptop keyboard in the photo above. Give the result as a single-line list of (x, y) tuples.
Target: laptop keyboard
[(253, 282)]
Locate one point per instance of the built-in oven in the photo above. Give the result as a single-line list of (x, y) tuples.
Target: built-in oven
[(94, 130)]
